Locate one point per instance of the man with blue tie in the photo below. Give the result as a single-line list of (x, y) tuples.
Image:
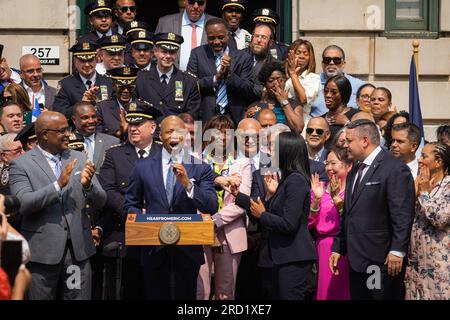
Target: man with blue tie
[(171, 182), (226, 79)]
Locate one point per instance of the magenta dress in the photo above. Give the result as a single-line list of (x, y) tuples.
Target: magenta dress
[(326, 224)]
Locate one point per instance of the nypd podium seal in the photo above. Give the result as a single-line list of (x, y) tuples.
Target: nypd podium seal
[(169, 233)]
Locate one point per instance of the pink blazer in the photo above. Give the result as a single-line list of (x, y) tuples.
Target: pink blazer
[(230, 221)]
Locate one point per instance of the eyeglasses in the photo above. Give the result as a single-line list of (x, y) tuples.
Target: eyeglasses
[(130, 87), (32, 71), (125, 9), (365, 96), (60, 131), (336, 60), (311, 130), (200, 2)]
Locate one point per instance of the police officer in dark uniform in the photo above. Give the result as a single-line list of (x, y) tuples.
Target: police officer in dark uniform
[(100, 18), (131, 27), (109, 111), (27, 136), (278, 50), (170, 90), (114, 178), (74, 87), (141, 49)]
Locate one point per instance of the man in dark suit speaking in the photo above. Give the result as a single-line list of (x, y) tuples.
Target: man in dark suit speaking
[(377, 217), (225, 74), (53, 184), (171, 182)]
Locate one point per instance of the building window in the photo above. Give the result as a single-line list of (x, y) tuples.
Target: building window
[(412, 18)]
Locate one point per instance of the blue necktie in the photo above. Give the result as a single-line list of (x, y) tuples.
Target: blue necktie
[(89, 148), (221, 97), (170, 183), (57, 161)]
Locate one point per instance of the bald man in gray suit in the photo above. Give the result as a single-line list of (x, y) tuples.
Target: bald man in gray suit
[(53, 184)]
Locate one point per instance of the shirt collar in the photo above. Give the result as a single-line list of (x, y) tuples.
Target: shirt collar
[(109, 33), (30, 91), (369, 160), (94, 77), (187, 22), (47, 154), (168, 74), (166, 156), (146, 149)]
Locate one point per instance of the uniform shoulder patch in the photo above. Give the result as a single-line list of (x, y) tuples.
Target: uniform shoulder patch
[(191, 74)]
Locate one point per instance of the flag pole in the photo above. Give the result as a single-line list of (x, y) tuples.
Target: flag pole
[(415, 45)]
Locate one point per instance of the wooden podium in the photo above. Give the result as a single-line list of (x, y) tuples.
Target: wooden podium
[(169, 229)]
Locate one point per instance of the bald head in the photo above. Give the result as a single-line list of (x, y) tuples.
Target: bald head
[(31, 71), (318, 122), (52, 130), (266, 118), (317, 133), (249, 124), (363, 115), (172, 133)]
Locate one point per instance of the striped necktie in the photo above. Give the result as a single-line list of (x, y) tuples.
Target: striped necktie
[(221, 94)]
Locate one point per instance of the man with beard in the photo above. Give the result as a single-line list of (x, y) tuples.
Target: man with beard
[(271, 18), (333, 64), (405, 141), (233, 14), (317, 134), (85, 83), (38, 90), (170, 90), (190, 24), (225, 74), (111, 112)]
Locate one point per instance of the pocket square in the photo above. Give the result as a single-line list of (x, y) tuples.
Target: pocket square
[(372, 183), (77, 173)]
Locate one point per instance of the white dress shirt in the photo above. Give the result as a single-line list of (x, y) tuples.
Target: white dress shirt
[(146, 149), (255, 160), (368, 162), (186, 32), (40, 95), (414, 167), (166, 167)]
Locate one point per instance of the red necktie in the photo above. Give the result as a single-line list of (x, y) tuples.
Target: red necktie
[(194, 36)]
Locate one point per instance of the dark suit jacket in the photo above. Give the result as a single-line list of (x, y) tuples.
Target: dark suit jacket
[(172, 23), (71, 90), (239, 81), (286, 221), (149, 88), (147, 184), (115, 178), (108, 115), (380, 217)]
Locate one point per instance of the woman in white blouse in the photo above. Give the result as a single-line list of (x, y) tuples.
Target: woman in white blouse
[(303, 83)]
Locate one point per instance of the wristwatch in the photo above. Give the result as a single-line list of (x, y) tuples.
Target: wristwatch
[(284, 103)]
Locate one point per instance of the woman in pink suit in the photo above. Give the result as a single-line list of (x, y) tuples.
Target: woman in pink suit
[(225, 255), (326, 206)]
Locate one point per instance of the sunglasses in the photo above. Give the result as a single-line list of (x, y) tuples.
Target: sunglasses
[(125, 9), (317, 130), (200, 2), (336, 60)]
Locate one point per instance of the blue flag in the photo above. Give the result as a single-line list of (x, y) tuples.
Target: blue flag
[(36, 110), (415, 114)]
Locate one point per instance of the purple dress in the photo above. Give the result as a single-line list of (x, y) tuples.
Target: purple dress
[(326, 224)]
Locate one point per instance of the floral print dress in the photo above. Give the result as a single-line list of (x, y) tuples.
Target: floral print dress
[(428, 271)]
